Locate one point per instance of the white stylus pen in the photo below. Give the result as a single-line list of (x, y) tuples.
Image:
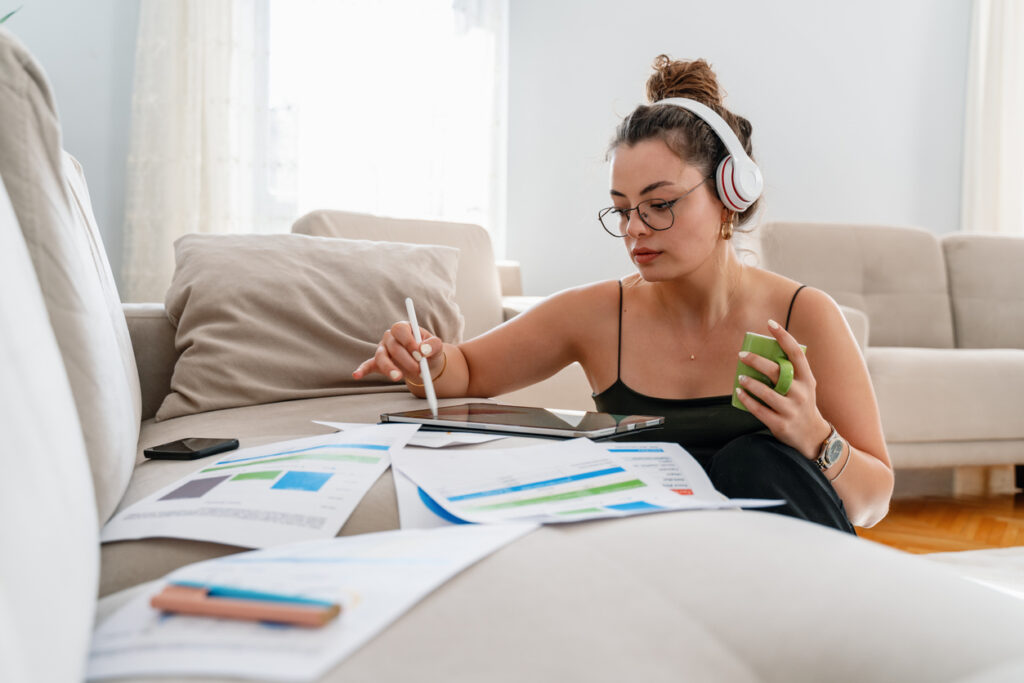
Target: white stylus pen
[(428, 383)]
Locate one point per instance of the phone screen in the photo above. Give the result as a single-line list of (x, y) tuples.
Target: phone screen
[(190, 447)]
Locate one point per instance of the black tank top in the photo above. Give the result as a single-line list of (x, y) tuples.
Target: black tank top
[(700, 425)]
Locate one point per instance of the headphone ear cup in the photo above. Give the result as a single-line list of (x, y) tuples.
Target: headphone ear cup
[(726, 190), (738, 188)]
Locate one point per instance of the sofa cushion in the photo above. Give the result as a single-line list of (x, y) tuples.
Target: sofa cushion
[(895, 275), (52, 206), (703, 596), (264, 318), (859, 324), (477, 287), (48, 529), (936, 395), (986, 287)]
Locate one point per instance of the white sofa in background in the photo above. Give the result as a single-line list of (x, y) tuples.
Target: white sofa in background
[(723, 596), (945, 331)]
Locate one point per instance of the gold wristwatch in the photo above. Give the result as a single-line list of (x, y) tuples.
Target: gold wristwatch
[(831, 450)]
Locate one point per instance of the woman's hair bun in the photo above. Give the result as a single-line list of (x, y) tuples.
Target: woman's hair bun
[(693, 80)]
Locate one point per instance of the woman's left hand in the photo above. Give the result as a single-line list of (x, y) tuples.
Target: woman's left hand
[(793, 418)]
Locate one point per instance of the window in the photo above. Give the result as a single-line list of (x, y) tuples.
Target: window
[(390, 107)]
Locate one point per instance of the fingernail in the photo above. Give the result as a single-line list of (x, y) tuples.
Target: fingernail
[(417, 356), (427, 349), (744, 354), (739, 392), (395, 375), (743, 379), (772, 324)]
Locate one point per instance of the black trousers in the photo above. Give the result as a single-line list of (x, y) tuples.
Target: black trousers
[(760, 466)]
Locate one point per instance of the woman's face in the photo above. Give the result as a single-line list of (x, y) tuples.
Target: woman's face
[(649, 170)]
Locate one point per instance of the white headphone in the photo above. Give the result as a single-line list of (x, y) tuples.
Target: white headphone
[(737, 178)]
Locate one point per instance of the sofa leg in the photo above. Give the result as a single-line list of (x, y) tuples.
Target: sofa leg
[(1019, 479)]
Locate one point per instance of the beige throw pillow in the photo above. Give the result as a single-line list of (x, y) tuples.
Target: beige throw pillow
[(264, 318)]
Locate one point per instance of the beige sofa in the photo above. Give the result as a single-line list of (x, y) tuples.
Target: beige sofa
[(945, 333), (724, 596)]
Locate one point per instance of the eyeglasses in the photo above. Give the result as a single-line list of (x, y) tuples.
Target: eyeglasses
[(656, 214)]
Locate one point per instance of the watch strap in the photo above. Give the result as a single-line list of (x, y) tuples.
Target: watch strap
[(822, 462)]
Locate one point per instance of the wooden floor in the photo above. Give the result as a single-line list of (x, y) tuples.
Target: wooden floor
[(934, 525)]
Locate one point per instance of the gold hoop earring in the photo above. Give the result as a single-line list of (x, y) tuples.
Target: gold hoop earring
[(726, 230)]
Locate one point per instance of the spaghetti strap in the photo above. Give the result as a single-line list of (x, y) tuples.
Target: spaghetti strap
[(618, 351), (788, 313)]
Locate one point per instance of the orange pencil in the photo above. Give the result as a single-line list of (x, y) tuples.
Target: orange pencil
[(197, 601)]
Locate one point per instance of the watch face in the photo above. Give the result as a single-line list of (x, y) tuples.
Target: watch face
[(832, 453)]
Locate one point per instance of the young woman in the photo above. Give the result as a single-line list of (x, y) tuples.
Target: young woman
[(665, 340)]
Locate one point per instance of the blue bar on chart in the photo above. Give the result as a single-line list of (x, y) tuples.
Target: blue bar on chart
[(363, 446), (302, 481), (537, 484), (635, 505)]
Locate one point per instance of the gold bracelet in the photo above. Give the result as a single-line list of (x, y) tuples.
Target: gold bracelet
[(849, 456), (432, 379)]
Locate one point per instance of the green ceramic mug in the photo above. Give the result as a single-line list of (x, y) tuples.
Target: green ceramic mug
[(770, 349)]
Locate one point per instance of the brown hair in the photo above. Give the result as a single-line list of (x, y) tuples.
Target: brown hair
[(685, 133)]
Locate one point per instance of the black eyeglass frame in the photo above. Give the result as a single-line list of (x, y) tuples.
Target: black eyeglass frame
[(624, 213)]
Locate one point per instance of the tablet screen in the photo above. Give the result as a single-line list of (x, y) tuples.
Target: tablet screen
[(526, 420)]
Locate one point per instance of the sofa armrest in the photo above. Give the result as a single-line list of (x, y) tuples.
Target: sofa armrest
[(510, 277), (514, 305), (568, 389), (859, 324), (153, 342)]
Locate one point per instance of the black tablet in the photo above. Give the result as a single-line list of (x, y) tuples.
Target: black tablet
[(494, 417)]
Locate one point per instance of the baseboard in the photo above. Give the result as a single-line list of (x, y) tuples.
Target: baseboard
[(918, 483), (946, 482)]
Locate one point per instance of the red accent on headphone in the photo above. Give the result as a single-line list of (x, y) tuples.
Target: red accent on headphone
[(724, 190)]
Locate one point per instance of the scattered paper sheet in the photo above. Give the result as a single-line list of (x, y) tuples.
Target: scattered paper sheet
[(384, 574), (267, 495), (678, 471), (416, 510), (667, 463), (428, 439), (559, 482)]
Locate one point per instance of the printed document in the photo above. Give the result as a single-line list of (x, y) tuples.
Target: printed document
[(557, 482), (267, 495), (375, 577)]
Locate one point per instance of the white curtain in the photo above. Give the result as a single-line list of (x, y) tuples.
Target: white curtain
[(248, 113), (194, 108), (993, 175)]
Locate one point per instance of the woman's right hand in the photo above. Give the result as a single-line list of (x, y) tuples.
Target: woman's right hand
[(398, 355)]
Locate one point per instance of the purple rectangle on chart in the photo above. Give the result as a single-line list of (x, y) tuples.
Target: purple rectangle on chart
[(197, 488)]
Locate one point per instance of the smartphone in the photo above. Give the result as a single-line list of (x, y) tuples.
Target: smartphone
[(190, 448)]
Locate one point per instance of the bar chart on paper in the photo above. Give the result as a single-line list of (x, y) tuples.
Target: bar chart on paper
[(565, 481), (248, 469), (264, 496)]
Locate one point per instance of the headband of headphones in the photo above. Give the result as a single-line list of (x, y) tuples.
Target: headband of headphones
[(738, 179)]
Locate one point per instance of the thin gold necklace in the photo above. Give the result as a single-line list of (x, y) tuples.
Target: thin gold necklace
[(728, 310)]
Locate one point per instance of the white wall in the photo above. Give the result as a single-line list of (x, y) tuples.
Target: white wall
[(857, 110), (88, 52)]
